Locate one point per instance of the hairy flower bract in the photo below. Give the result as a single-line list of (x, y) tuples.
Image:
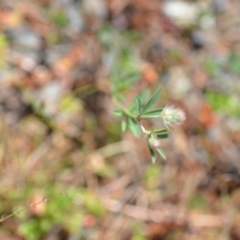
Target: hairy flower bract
[(172, 116)]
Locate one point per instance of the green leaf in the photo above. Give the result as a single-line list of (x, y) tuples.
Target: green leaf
[(132, 107), (151, 101), (130, 78), (152, 113), (152, 153), (138, 104), (118, 113), (161, 153), (163, 135), (134, 127), (160, 131), (144, 95), (124, 125)]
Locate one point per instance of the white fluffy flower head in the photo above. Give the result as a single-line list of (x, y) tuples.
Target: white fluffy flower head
[(172, 116)]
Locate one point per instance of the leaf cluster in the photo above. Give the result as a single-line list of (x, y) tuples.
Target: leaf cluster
[(140, 109)]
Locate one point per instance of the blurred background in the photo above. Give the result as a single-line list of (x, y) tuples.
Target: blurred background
[(67, 171)]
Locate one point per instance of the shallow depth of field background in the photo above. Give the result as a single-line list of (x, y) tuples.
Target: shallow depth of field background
[(67, 171)]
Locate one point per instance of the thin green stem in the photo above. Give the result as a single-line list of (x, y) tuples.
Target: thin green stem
[(126, 112)]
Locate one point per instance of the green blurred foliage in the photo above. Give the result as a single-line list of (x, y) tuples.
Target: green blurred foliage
[(234, 62), (198, 202), (3, 50), (60, 210), (223, 103), (125, 72), (69, 104), (138, 236), (92, 203), (212, 66), (151, 176), (60, 18)]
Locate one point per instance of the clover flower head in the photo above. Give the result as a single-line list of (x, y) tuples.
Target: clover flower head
[(172, 116)]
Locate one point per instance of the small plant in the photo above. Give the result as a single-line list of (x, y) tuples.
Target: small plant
[(138, 110)]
